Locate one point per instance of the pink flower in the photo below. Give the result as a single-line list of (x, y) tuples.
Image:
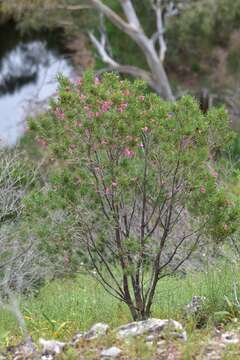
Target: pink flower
[(42, 142), (106, 105), (122, 107), (225, 226), (114, 184), (141, 97), (79, 123), (59, 114), (82, 97), (141, 145), (126, 92), (107, 191), (78, 81), (97, 81), (90, 114), (104, 142), (128, 153), (86, 107), (215, 174), (97, 114), (202, 189)]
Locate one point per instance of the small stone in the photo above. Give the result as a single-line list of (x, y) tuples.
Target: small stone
[(150, 338), (154, 327), (97, 330), (111, 353), (230, 338), (75, 340), (47, 357), (51, 346), (24, 350)]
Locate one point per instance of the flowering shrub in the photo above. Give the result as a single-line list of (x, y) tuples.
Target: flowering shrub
[(149, 190)]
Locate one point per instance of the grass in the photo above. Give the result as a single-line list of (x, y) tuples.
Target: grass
[(63, 307)]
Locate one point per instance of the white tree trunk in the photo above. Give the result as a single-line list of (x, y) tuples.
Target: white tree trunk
[(156, 77)]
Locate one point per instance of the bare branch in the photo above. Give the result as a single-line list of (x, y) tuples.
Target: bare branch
[(157, 7), (111, 15), (158, 79), (100, 46), (73, 7), (133, 71), (130, 13)]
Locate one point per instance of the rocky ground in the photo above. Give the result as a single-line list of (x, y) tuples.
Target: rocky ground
[(154, 339), (150, 339)]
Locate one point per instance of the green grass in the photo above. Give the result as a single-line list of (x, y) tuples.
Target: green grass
[(64, 306)]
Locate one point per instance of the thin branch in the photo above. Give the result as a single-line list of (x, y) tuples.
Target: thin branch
[(71, 7), (133, 71), (99, 45), (157, 7), (111, 15)]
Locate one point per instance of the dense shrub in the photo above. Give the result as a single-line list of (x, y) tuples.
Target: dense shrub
[(147, 188)]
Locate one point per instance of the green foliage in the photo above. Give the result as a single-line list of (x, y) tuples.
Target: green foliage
[(117, 116), (71, 305), (16, 177), (145, 179), (202, 25), (233, 61)]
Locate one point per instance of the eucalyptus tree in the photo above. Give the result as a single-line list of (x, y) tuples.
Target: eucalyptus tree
[(124, 15)]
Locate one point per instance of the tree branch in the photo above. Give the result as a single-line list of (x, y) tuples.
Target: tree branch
[(100, 46), (157, 7), (111, 15), (133, 71), (130, 13)]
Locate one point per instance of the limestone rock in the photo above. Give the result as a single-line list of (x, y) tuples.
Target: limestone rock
[(47, 357), (97, 330), (75, 340), (230, 338), (51, 347), (156, 327), (25, 350), (111, 353)]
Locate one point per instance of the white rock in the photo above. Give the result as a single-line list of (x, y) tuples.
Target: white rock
[(152, 327), (97, 330), (47, 357), (76, 339), (24, 350), (51, 346), (230, 338), (112, 353)]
